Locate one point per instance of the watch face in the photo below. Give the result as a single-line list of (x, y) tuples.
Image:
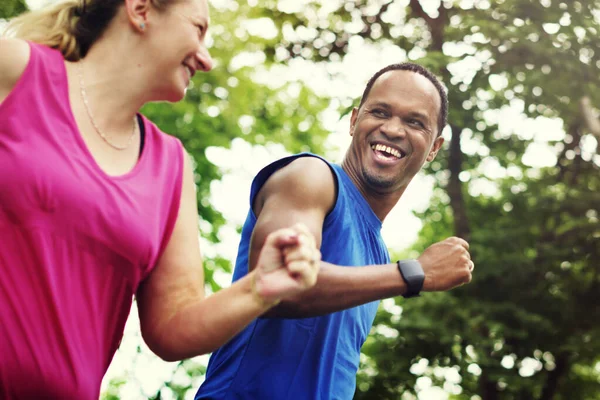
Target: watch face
[(412, 268), (413, 275)]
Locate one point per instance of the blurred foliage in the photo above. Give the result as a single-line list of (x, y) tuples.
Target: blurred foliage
[(527, 327), (10, 8)]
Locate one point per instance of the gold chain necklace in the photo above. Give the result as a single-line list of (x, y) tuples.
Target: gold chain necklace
[(87, 107)]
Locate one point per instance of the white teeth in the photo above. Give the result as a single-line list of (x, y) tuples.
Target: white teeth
[(387, 149)]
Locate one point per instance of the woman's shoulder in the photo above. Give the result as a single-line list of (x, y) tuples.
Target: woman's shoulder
[(13, 52), (14, 57)]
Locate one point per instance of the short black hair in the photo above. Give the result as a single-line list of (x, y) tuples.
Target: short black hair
[(418, 69)]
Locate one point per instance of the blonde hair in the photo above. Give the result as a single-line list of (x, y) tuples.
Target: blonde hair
[(71, 26)]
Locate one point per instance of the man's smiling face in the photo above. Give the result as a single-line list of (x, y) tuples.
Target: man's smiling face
[(395, 130)]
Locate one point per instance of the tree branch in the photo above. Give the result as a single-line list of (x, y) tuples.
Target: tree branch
[(436, 25)]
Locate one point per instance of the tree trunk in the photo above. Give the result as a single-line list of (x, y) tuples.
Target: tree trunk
[(554, 376), (457, 200), (487, 388)]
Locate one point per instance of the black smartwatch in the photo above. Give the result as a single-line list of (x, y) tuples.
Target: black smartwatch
[(413, 275)]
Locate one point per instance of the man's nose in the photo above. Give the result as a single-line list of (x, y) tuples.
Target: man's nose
[(393, 127)]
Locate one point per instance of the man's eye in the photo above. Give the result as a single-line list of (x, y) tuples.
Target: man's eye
[(416, 122), (379, 113)]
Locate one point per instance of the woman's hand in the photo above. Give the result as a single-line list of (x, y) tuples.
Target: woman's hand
[(287, 265)]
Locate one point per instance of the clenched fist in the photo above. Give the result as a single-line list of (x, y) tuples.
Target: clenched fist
[(288, 264), (447, 264)]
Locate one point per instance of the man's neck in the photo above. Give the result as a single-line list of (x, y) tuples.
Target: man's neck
[(380, 202)]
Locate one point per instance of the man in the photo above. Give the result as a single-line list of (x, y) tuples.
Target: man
[(309, 348)]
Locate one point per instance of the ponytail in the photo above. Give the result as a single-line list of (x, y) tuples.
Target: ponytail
[(53, 26), (70, 26)]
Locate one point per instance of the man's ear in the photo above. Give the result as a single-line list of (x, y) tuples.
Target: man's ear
[(137, 13), (437, 144), (353, 120)]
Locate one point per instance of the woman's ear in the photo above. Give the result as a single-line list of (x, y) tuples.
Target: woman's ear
[(137, 13)]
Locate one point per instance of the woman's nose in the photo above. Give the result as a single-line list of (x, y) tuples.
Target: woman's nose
[(204, 59)]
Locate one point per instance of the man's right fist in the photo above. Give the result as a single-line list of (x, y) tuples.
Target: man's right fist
[(447, 264)]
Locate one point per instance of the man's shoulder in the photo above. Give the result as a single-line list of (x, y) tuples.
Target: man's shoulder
[(302, 172), (309, 161), (304, 180), (305, 166)]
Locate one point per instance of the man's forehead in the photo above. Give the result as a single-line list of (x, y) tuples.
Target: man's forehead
[(406, 81)]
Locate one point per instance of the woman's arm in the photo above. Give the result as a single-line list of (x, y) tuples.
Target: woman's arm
[(178, 322)]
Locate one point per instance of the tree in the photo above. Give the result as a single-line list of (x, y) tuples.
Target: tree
[(11, 8)]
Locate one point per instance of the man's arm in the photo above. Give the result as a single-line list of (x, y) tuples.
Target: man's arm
[(304, 191)]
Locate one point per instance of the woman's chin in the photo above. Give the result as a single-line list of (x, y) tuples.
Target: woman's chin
[(174, 96)]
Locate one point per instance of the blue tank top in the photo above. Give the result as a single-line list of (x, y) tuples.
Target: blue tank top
[(306, 358)]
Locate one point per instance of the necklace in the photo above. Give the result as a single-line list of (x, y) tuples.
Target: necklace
[(98, 130)]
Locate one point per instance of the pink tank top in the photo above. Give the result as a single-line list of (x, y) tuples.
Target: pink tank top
[(75, 243)]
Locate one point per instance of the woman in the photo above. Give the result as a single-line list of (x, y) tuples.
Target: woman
[(98, 205)]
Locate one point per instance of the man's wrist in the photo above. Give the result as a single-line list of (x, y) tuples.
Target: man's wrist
[(412, 273)]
